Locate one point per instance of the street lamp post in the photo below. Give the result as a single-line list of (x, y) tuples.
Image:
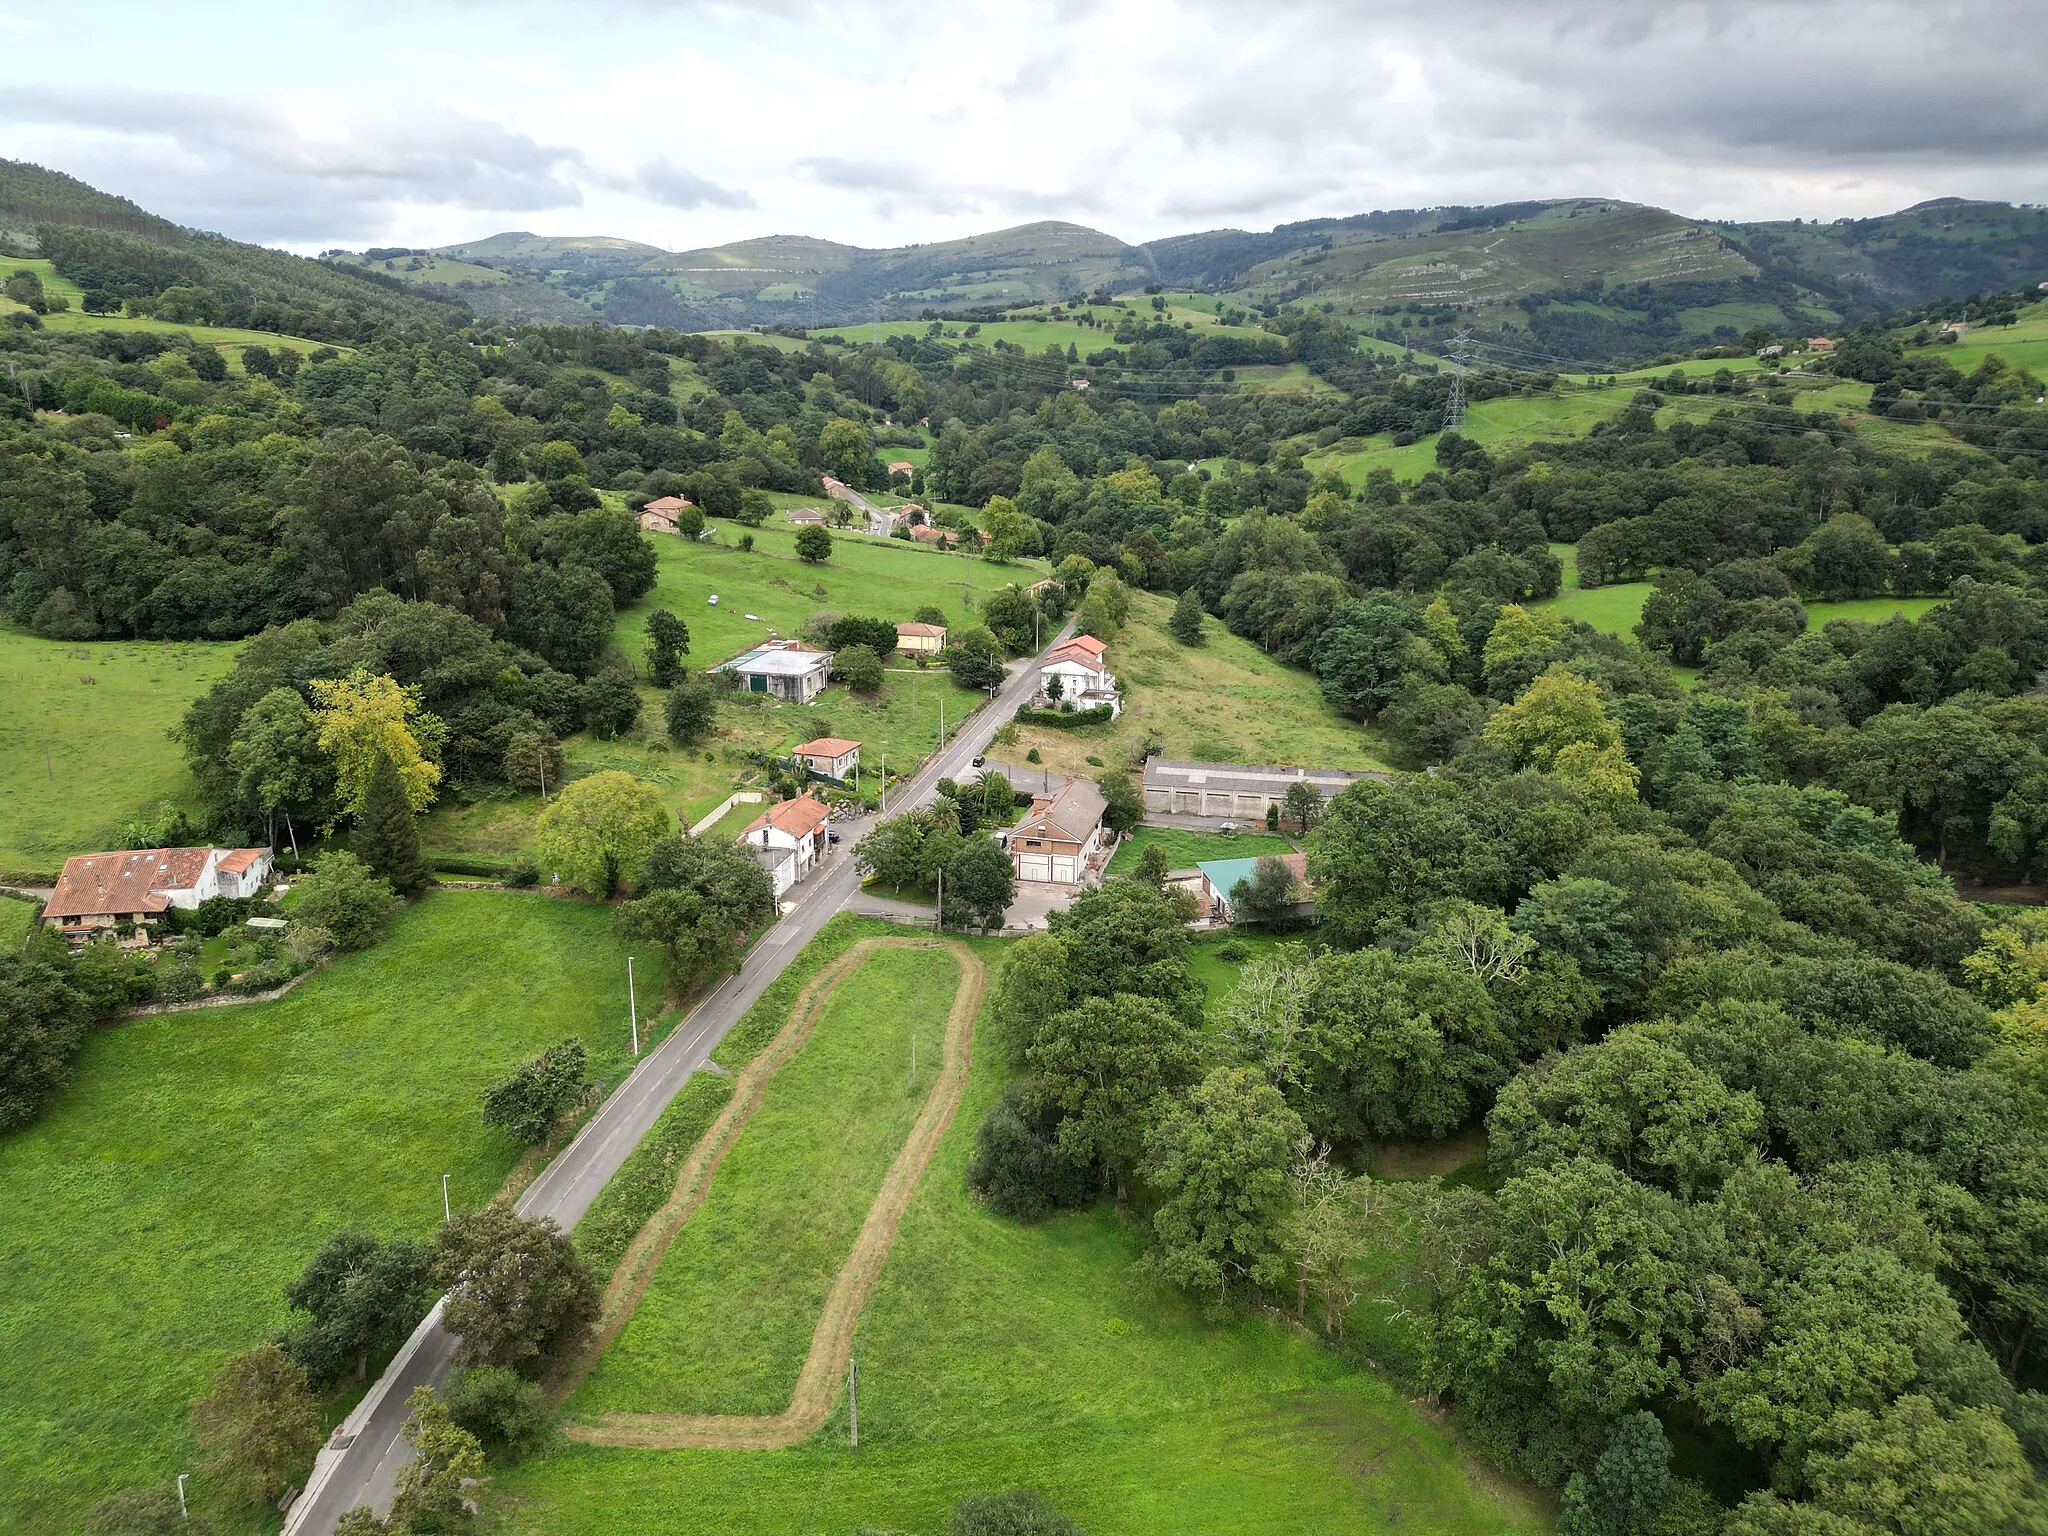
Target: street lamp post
[(632, 1005)]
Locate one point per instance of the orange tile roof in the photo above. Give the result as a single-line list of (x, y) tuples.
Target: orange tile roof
[(797, 818), (669, 504), (828, 746), (135, 881), (915, 628), (1088, 643), (241, 859)]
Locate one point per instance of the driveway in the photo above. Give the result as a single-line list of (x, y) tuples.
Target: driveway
[(1036, 899)]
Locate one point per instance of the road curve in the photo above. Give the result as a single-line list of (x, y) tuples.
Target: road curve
[(361, 1462)]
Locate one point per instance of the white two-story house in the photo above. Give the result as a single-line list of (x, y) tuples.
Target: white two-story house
[(1084, 677), (787, 840)]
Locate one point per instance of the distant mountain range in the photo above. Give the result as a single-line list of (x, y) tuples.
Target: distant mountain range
[(1585, 277), (1582, 280)]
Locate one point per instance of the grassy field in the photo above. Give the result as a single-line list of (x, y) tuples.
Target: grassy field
[(1222, 701), (1869, 610), (1037, 329), (884, 577), (199, 1159), (76, 319), (1616, 609), (728, 1318), (100, 710), (2023, 344), (15, 918), (1186, 849), (993, 1355)]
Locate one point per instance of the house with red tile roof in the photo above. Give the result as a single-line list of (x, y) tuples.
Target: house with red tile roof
[(1084, 677), (912, 638), (830, 757), (103, 890), (787, 840), (663, 514)]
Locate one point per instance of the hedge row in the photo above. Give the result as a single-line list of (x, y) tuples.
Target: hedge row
[(1100, 714)]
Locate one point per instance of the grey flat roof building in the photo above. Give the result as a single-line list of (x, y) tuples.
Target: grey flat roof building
[(1234, 789)]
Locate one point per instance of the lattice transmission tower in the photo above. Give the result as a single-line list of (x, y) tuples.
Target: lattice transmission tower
[(1461, 354)]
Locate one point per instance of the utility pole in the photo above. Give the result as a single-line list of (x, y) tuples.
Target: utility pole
[(853, 1400), (1454, 405), (632, 1005), (447, 1212)]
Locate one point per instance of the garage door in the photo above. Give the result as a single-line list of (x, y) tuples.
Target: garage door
[(1064, 870), (1034, 866)]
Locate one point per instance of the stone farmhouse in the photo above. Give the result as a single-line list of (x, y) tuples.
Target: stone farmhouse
[(103, 890)]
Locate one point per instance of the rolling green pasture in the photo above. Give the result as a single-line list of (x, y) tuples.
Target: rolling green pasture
[(884, 577), (1222, 701), (1037, 329), (101, 709), (198, 1160), (1870, 610), (76, 319), (1616, 609), (1185, 849), (994, 1355), (728, 1317), (2023, 344)]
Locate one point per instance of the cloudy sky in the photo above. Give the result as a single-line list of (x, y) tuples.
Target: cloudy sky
[(881, 122)]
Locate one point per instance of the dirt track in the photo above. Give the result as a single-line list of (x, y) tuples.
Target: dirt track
[(817, 1384)]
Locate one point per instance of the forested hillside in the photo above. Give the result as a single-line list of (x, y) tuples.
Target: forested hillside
[(128, 260)]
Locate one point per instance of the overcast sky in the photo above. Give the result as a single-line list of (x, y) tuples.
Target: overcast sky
[(686, 123)]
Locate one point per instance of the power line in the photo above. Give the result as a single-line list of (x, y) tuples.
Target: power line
[(1454, 405)]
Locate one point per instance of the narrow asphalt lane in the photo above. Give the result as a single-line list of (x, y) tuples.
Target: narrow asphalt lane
[(363, 1460)]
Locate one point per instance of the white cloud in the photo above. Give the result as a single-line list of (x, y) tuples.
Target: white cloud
[(690, 122)]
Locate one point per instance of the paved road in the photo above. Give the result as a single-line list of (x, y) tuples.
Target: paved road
[(362, 1464)]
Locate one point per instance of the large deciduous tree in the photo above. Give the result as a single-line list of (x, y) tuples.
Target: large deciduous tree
[(1220, 1157), (600, 828), (258, 1425), (361, 1297), (364, 718), (42, 1026), (1104, 1065), (979, 885), (518, 1294)]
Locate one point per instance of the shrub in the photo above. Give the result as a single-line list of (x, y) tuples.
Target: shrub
[(1019, 1512), (1235, 952), (527, 1103), (524, 875), (342, 896), (500, 1407), (1018, 1167)]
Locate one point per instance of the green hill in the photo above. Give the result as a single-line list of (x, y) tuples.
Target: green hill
[(1945, 248), (783, 279), (109, 245)]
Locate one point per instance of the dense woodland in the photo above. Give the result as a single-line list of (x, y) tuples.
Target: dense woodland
[(1763, 1098)]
